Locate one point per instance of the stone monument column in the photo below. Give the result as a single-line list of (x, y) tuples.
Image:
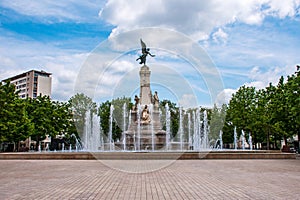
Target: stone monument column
[(145, 91)]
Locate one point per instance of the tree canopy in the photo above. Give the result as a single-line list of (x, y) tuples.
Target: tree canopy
[(269, 114)]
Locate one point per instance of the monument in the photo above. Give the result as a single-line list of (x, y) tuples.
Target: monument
[(145, 129)]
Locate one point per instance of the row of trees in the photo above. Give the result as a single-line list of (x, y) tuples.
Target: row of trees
[(269, 114), (21, 118)]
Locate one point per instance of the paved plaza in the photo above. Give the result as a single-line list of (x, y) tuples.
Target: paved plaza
[(181, 179)]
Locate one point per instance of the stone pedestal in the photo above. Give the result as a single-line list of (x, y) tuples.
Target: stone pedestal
[(145, 91)]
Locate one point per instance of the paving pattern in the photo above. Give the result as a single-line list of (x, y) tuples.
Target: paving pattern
[(182, 179)]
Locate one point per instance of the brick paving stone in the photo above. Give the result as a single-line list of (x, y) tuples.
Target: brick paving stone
[(182, 179)]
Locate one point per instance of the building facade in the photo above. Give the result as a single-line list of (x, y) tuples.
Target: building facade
[(32, 83)]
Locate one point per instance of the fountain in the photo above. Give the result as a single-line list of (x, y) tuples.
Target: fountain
[(152, 130), (144, 130), (235, 138), (77, 143), (180, 133), (250, 142), (220, 139), (39, 148), (91, 137), (124, 126), (138, 114), (243, 140), (189, 130), (168, 130), (206, 131), (110, 140), (197, 127)]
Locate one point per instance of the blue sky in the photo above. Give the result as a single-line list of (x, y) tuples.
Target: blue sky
[(249, 42)]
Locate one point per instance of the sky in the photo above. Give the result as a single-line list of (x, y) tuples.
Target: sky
[(205, 50)]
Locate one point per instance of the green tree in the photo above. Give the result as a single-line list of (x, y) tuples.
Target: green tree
[(217, 120), (104, 112), (269, 114), (174, 111), (263, 127), (118, 104), (293, 104), (14, 122), (80, 104), (289, 122), (280, 113), (62, 118), (41, 115), (117, 124), (240, 111)]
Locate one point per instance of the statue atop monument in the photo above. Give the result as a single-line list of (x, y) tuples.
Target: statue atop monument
[(145, 52)]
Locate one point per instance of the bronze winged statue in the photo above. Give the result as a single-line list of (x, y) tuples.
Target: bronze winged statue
[(145, 52)]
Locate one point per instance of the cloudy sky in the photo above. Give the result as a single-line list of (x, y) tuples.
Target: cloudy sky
[(250, 42)]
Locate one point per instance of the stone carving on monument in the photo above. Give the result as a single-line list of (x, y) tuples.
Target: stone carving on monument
[(145, 129)]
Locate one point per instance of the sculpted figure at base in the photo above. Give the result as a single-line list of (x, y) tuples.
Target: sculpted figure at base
[(155, 100), (137, 101), (145, 116)]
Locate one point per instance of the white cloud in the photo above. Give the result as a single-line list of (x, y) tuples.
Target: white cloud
[(188, 101), (220, 36), (224, 96), (49, 10), (64, 71), (282, 9), (195, 18), (260, 80)]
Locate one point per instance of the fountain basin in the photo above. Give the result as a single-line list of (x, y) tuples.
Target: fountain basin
[(148, 155)]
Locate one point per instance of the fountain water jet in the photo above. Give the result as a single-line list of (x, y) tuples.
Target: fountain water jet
[(152, 129), (189, 130), (139, 127), (110, 127), (235, 138), (168, 131), (124, 127), (181, 128), (91, 137), (243, 140), (206, 130), (250, 142), (221, 140)]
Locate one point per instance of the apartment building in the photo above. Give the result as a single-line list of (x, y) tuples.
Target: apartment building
[(32, 83)]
